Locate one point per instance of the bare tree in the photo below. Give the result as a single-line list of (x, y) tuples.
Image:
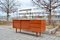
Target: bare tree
[(8, 6), (48, 5)]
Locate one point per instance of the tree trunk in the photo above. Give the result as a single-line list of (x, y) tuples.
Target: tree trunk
[(7, 16), (49, 16), (8, 12), (50, 13), (49, 19)]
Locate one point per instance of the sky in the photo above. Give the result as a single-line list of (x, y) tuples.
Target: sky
[(24, 4)]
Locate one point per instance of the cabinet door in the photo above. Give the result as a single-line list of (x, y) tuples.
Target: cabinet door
[(25, 24), (16, 23), (35, 27)]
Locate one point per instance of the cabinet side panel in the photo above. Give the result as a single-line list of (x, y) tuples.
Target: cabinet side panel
[(43, 25), (16, 23)]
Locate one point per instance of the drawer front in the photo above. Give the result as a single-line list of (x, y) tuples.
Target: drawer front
[(35, 29), (35, 21), (25, 24), (35, 25)]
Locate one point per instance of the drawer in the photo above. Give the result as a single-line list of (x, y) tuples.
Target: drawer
[(35, 25), (35, 21), (25, 25), (35, 29)]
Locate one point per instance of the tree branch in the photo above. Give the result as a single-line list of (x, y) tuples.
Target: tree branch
[(3, 9), (36, 3), (3, 4)]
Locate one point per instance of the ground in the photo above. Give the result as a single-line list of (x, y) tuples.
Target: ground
[(8, 33)]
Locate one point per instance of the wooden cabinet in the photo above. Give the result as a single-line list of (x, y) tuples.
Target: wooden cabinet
[(36, 26)]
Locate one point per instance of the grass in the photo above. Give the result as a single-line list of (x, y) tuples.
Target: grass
[(3, 23)]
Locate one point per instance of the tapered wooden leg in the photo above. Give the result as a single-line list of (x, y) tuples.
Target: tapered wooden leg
[(37, 34), (20, 30), (16, 30), (40, 33)]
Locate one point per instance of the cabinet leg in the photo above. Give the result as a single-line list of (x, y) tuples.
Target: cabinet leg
[(40, 33), (20, 30), (37, 34), (16, 30)]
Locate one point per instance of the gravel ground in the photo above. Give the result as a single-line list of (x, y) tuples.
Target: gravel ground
[(8, 33)]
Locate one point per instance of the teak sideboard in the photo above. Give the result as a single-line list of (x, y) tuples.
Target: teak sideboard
[(37, 26)]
